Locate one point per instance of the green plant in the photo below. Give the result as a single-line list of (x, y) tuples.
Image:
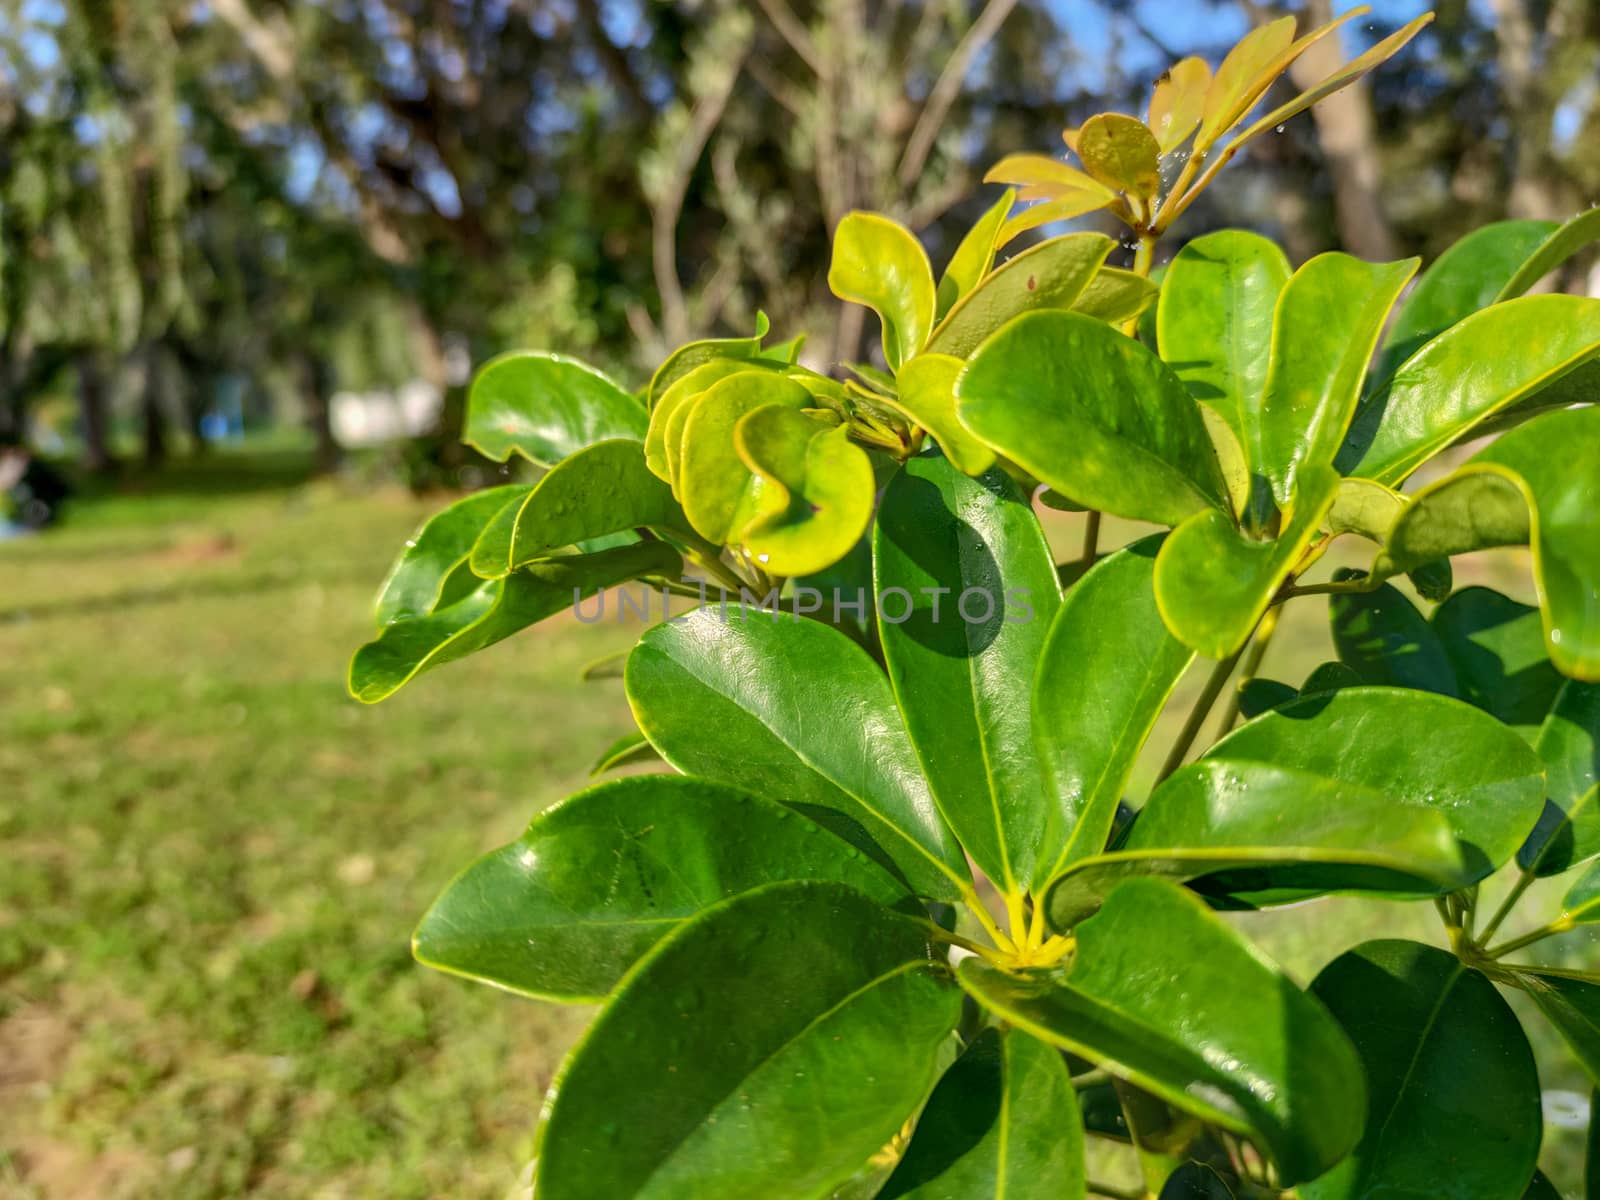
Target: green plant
[(893, 930)]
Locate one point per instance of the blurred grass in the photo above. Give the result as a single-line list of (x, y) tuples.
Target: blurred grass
[(213, 857)]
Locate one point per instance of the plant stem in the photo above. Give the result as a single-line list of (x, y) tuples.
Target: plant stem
[(1252, 663), (1559, 925), (987, 953), (1144, 256), (1199, 713), (1558, 972), (1091, 538), (1001, 941), (1524, 880), (1341, 588)]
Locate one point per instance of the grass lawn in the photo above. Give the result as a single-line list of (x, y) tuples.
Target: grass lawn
[(211, 858)]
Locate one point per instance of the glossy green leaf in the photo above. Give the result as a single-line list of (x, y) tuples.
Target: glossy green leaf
[(1244, 74), (1418, 749), (1214, 322), (693, 355), (1258, 695), (1121, 153), (1051, 275), (1327, 322), (877, 262), (927, 396), (1106, 672), (1093, 414), (974, 255), (1560, 245), (490, 555), (967, 590), (494, 610), (629, 748), (1569, 742), (420, 579), (1070, 203), (562, 912), (1178, 101), (796, 711), (812, 490), (545, 407), (1449, 386), (1453, 1095), (1382, 637), (1540, 1188), (1001, 1125), (1581, 905), (1213, 584), (767, 1048), (602, 489), (1265, 834), (1496, 647), (1468, 276), (1115, 296), (1329, 677), (663, 444), (1471, 510), (1164, 994), (1573, 1007), (714, 483), (1366, 509)]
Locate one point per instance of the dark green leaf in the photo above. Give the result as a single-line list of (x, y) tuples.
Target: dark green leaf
[(416, 582), (1215, 321), (1447, 387), (1569, 742), (1541, 1188), (1466, 277), (1329, 677), (1165, 995), (1453, 1096), (1497, 649), (545, 407), (1107, 670), (1382, 637), (967, 590), (1418, 749), (629, 748), (563, 911), (1214, 584), (795, 711), (1002, 1125), (1259, 695), (1554, 250), (1093, 414), (1051, 275), (1573, 1007), (876, 262), (1195, 1181), (767, 1048), (494, 610)]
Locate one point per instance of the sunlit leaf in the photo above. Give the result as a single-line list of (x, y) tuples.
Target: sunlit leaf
[(693, 355), (927, 395), (715, 485), (545, 407), (974, 255), (1178, 102), (421, 577), (1051, 275), (1560, 245), (877, 262), (1121, 153)]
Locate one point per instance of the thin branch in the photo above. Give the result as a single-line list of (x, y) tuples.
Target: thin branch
[(792, 31), (948, 87), (1198, 714)]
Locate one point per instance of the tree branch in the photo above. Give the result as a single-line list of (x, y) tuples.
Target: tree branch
[(948, 87)]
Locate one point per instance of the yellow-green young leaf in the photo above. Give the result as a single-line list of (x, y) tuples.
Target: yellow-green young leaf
[(545, 407), (428, 572), (1115, 296), (1448, 386), (1468, 276), (1121, 153), (1106, 672), (767, 1048), (1178, 101), (687, 357), (1573, 1007), (928, 398), (597, 879), (801, 714), (1262, 834), (956, 660), (664, 441), (714, 483), (1069, 205), (1052, 274), (974, 255), (877, 262), (1213, 584), (1165, 995), (494, 610), (1043, 174), (604, 488), (1003, 1122), (1328, 319), (1338, 80), (1093, 414), (1560, 245), (1427, 1027), (1367, 509), (811, 490), (1474, 509), (1246, 72), (1214, 322)]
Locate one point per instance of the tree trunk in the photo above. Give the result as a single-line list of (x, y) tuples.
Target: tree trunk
[(319, 385), (1346, 134), (94, 398), (151, 396)]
